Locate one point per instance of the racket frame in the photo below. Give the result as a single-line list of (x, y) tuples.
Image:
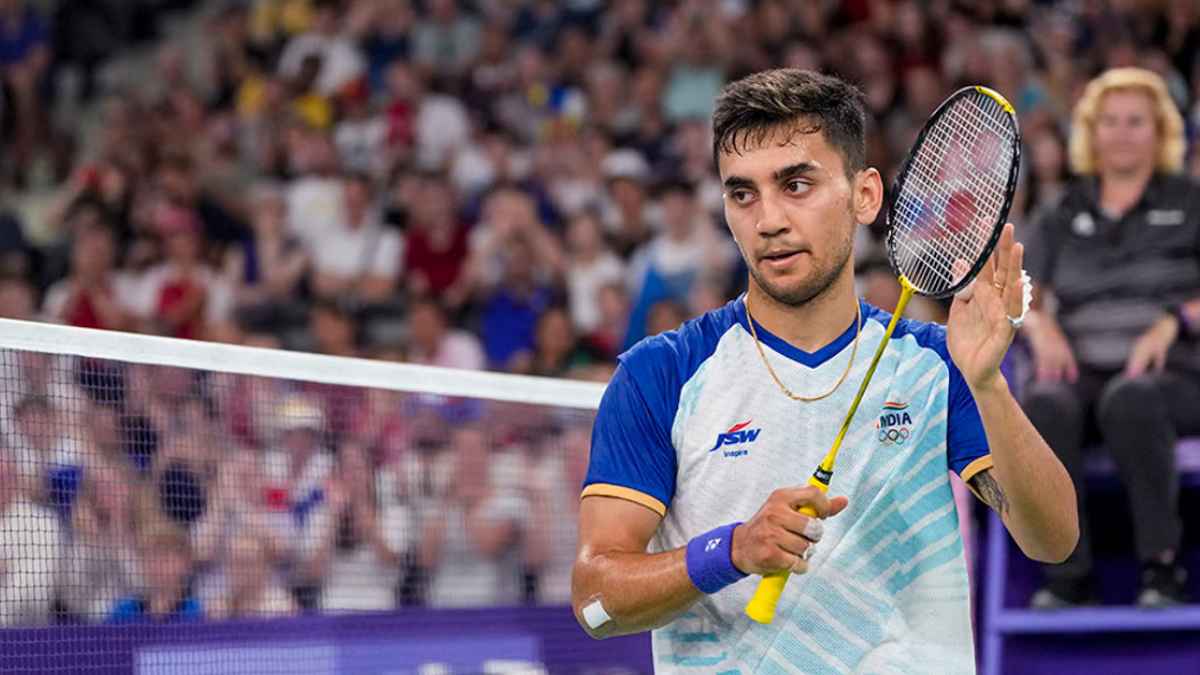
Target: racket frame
[(1013, 170)]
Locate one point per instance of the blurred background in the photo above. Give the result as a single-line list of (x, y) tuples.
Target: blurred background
[(543, 170), (523, 186)]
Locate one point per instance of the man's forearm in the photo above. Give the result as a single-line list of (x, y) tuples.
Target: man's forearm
[(1033, 492), (637, 591)]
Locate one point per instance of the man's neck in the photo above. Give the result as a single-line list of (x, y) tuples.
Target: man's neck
[(812, 325)]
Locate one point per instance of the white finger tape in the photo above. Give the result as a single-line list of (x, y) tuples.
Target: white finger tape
[(1026, 300), (595, 616), (1026, 293), (813, 530)]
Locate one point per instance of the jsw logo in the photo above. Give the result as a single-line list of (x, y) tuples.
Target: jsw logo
[(738, 434)]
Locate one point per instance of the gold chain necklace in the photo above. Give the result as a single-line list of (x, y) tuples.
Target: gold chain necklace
[(782, 386)]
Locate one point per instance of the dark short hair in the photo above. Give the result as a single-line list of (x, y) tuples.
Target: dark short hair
[(749, 109)]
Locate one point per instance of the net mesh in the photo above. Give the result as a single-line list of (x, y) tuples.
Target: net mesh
[(171, 518), (953, 196)]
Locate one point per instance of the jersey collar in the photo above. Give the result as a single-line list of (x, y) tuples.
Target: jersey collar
[(783, 347)]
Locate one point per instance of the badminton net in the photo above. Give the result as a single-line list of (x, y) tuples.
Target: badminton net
[(183, 507)]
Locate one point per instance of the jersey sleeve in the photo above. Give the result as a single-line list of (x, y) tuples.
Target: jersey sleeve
[(966, 441), (632, 455), (967, 450)]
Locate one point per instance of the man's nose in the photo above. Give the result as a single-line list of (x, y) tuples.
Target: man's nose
[(772, 218)]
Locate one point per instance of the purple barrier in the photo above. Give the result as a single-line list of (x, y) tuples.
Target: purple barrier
[(442, 641)]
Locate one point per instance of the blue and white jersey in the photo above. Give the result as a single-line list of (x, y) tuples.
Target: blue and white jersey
[(693, 427)]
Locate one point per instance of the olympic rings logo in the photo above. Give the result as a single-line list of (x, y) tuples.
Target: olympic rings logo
[(893, 436)]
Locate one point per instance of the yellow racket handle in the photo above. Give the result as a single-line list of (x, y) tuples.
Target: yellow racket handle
[(761, 607)]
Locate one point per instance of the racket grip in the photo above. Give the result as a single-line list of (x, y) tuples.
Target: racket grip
[(761, 607)]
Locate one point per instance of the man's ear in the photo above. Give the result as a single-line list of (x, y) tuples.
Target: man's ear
[(868, 195)]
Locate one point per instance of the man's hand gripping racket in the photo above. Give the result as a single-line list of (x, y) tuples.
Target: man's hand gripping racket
[(946, 215)]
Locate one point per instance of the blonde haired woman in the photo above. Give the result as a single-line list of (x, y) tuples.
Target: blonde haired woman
[(1116, 359)]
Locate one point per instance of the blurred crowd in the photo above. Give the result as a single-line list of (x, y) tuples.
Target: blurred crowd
[(166, 494), (517, 185)]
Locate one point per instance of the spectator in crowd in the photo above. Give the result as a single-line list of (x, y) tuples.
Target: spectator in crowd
[(341, 61), (360, 132), (665, 315), (18, 300), (95, 294), (166, 565), (181, 472), (296, 471), (35, 375), (50, 458), (474, 533), (356, 257), (183, 296), (240, 510), (688, 248), (556, 468), (512, 309), (510, 215), (364, 558), (100, 565), (334, 329), (514, 260), (1120, 347), (433, 342), (25, 56), (253, 590), (556, 348), (17, 256), (435, 244), (590, 265), (1048, 171), (30, 549), (180, 186), (337, 332), (609, 335), (448, 40), (266, 271), (627, 212)]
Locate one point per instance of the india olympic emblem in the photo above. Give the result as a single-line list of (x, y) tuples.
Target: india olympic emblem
[(893, 423)]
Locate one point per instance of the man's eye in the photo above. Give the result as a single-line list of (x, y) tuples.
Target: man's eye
[(741, 196), (797, 187)]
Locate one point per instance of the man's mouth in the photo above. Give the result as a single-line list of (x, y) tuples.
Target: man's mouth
[(781, 258)]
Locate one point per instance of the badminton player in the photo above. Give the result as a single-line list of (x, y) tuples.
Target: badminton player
[(706, 436)]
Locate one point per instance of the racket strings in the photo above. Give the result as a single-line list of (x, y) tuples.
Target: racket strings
[(954, 192)]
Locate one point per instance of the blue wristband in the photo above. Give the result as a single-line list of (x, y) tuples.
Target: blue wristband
[(710, 559)]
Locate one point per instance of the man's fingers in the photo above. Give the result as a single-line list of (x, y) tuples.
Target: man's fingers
[(1014, 289), (795, 545), (838, 504), (1000, 257), (958, 270), (812, 498)]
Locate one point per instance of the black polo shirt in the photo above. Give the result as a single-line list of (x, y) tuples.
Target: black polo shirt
[(1113, 277)]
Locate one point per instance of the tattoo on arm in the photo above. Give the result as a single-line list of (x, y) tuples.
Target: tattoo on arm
[(989, 491)]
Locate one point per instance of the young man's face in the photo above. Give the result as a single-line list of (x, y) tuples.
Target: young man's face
[(793, 211)]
